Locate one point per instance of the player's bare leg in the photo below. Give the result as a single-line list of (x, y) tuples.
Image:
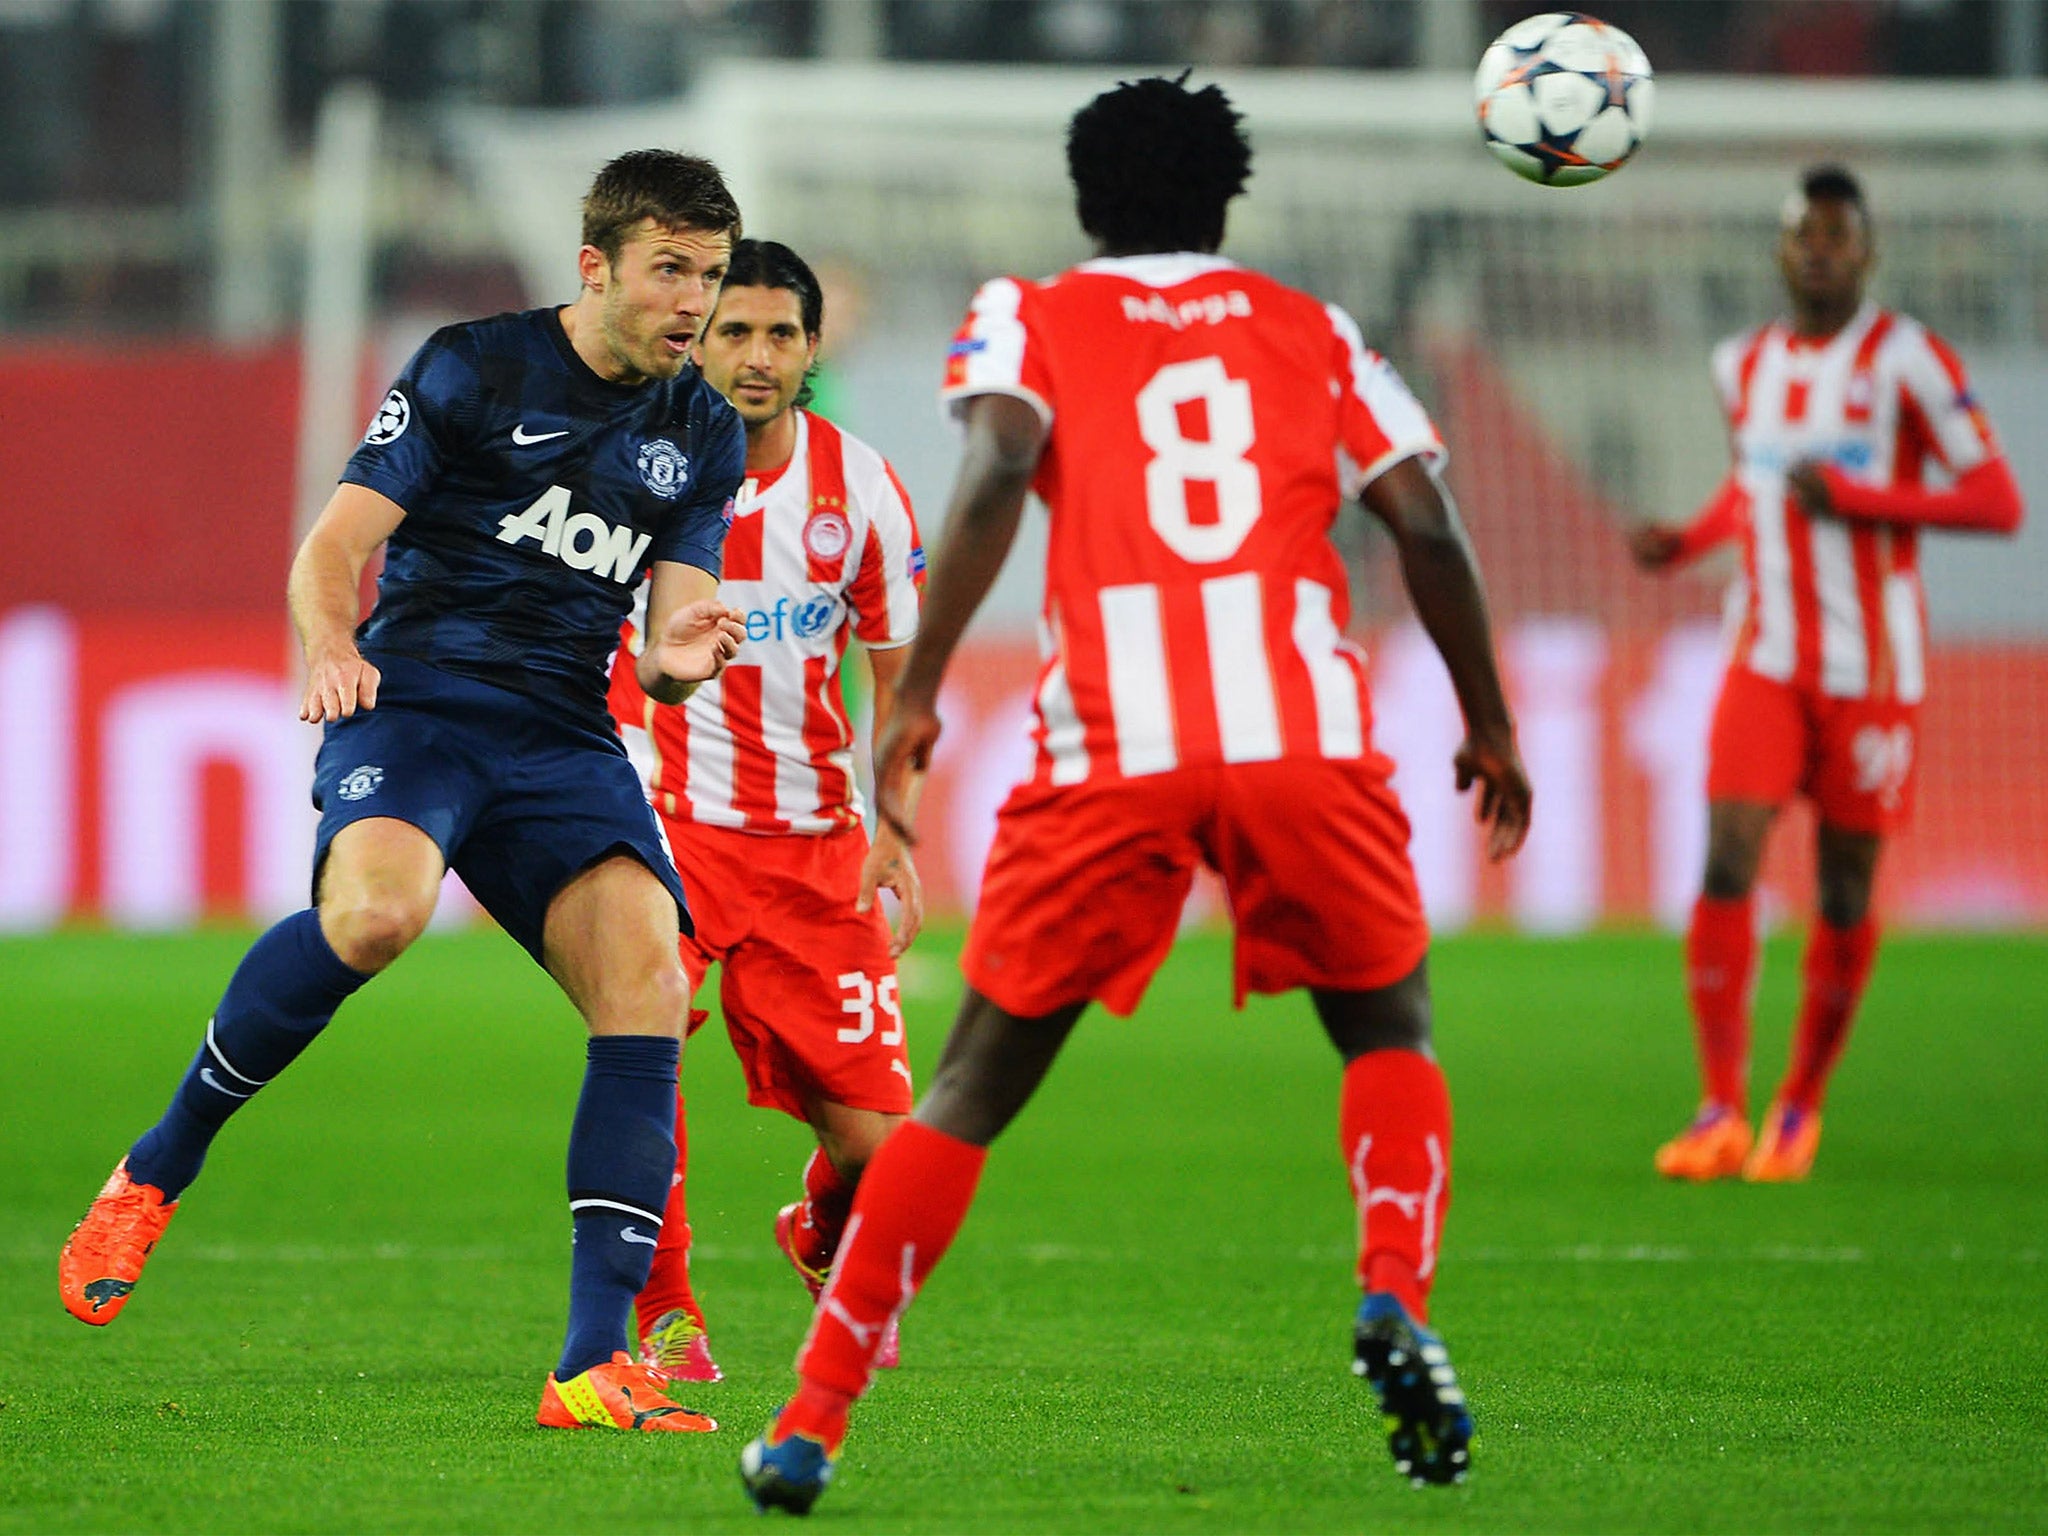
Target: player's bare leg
[(610, 941), (1394, 1129), (912, 1200), (378, 889), (378, 885), (1720, 974), (1839, 954)]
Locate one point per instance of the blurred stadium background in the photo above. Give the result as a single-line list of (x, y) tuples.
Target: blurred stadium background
[(223, 224)]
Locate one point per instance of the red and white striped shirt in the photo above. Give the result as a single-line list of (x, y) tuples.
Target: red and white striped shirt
[(1206, 424), (1829, 604), (824, 551)]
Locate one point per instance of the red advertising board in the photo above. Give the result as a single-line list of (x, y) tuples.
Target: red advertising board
[(153, 771)]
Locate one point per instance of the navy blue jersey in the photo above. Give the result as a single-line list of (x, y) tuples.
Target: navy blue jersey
[(536, 496)]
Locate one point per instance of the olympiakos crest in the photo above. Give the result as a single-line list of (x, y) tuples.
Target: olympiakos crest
[(827, 534), (664, 468)]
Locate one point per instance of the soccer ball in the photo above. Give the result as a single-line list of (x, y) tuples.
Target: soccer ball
[(1563, 99)]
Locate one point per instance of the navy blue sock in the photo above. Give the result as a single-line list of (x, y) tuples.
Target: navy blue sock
[(281, 995), (622, 1152)]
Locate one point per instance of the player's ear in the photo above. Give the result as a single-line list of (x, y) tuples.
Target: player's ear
[(594, 267)]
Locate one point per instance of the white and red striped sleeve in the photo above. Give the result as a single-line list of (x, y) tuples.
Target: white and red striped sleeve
[(1379, 420), (1732, 366), (885, 590), (992, 352), (1938, 392)]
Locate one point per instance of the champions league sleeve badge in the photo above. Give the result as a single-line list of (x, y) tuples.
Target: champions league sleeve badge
[(391, 420), (664, 468)]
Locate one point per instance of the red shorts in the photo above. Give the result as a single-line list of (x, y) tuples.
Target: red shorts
[(1857, 760), (1084, 885), (807, 987)]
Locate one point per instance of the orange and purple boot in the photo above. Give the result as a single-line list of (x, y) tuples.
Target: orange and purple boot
[(103, 1257), (1784, 1152), (1712, 1147), (619, 1394)]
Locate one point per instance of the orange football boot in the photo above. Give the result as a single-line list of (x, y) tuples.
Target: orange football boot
[(1784, 1152), (787, 1238), (1712, 1147), (620, 1394), (103, 1257)]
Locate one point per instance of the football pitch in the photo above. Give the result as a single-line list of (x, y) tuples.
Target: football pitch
[(1144, 1324)]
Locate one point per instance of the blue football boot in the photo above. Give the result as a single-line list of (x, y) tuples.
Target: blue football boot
[(1429, 1429), (786, 1473)]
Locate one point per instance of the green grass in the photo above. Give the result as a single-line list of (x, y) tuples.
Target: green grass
[(1143, 1325)]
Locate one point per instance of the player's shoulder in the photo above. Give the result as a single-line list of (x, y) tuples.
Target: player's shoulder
[(1729, 351), (518, 331), (871, 479), (1905, 336), (824, 435)]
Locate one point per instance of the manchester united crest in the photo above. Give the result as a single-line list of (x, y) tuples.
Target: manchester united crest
[(664, 468)]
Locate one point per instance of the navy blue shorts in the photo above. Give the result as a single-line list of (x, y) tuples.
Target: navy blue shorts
[(520, 801)]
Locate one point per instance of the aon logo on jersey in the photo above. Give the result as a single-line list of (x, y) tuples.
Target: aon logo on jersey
[(582, 541)]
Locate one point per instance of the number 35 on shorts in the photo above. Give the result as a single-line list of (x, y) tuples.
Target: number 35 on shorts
[(864, 995), (1883, 757)]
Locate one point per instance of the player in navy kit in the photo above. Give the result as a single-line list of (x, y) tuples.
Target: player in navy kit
[(524, 474)]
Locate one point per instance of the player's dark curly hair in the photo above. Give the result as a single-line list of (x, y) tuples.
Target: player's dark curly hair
[(771, 264), (1833, 183), (1155, 165), (677, 191)]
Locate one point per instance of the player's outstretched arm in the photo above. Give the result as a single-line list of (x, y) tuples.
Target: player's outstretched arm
[(1005, 436), (889, 864), (1658, 547), (325, 593), (1443, 582), (1985, 499), (691, 635)]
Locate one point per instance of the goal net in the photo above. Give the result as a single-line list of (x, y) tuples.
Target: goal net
[(1560, 337)]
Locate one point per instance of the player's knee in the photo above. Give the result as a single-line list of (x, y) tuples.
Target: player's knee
[(850, 1148), (1844, 900), (368, 932), (1731, 869), (653, 999), (668, 998)]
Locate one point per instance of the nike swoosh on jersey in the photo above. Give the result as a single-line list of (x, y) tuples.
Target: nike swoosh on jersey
[(525, 438)]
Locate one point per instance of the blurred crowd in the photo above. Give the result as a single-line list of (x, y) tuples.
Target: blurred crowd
[(110, 109), (98, 97)]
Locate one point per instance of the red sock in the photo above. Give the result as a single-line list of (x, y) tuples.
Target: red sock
[(1720, 976), (1837, 965), (1394, 1128), (821, 1219), (668, 1282), (912, 1200)]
